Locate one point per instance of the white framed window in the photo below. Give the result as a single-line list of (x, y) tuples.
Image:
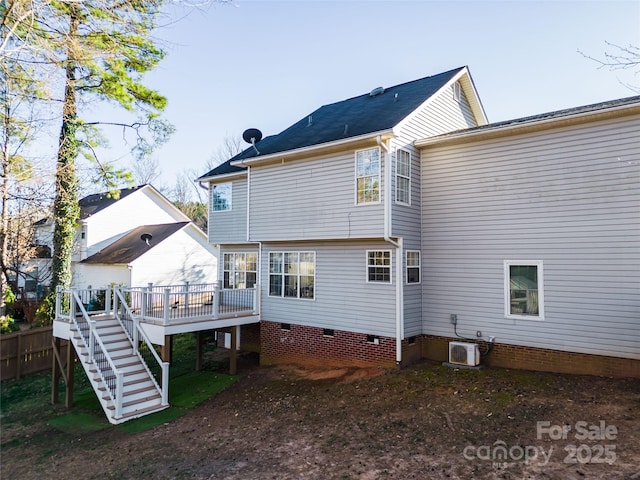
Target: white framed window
[(413, 266), (221, 197), (292, 274), (368, 175), (403, 177), (457, 91), (524, 289), (379, 266), (239, 270)]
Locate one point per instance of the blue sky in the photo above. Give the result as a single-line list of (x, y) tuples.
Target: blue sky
[(266, 64)]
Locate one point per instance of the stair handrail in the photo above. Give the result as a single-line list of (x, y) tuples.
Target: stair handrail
[(137, 333), (116, 390)]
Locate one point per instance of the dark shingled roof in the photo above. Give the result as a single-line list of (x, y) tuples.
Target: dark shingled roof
[(132, 246), (94, 203), (349, 118)]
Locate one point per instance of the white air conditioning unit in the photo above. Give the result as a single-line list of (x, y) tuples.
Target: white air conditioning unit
[(461, 353)]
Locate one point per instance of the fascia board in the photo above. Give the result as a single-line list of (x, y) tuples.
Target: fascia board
[(314, 149), (164, 200), (224, 177), (533, 125)]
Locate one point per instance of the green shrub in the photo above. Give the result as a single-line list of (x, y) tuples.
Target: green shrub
[(8, 325), (46, 311)]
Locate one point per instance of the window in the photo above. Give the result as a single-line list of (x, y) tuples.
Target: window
[(403, 177), (239, 270), (368, 175), (524, 295), (221, 197), (413, 266), (457, 91), (292, 274), (379, 266)]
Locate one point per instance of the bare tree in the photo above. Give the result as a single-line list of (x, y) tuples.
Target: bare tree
[(145, 170), (619, 58), (230, 147)]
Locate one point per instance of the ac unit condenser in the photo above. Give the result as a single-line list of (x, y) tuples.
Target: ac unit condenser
[(461, 353)]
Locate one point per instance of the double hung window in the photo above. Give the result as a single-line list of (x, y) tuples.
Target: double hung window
[(413, 266), (292, 274), (379, 266), (239, 270), (403, 177), (368, 175)]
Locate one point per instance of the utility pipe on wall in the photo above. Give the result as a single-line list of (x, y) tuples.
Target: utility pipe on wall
[(398, 244)]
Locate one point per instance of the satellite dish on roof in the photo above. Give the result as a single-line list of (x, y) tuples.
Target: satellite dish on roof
[(146, 238), (376, 91), (252, 136)]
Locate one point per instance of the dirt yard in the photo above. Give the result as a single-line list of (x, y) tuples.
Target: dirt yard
[(423, 422)]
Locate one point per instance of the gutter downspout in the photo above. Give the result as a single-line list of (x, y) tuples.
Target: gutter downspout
[(399, 249), (258, 306)]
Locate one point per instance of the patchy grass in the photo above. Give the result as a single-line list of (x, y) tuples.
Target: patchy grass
[(26, 403)]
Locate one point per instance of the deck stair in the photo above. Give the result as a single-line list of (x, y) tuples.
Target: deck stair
[(121, 379)]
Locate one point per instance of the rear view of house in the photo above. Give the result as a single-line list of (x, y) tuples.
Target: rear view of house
[(531, 234), (372, 224)]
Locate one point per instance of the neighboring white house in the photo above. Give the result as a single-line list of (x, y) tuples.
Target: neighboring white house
[(373, 224), (137, 238)]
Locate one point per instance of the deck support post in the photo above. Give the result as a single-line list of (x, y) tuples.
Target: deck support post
[(56, 371), (233, 353), (167, 349), (71, 360), (199, 341), (64, 370)]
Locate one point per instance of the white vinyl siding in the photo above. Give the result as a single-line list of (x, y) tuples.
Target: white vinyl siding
[(569, 197), (343, 300), (311, 199), (229, 226)]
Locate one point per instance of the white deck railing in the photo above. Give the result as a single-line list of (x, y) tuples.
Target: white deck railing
[(142, 346), (70, 306), (174, 304)]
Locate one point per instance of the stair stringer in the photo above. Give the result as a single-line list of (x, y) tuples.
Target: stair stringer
[(140, 391)]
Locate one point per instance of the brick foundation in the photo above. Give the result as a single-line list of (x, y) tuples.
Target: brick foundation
[(540, 359), (312, 346)]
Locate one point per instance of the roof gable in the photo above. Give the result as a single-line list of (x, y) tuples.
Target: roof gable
[(133, 245), (361, 115), (99, 201)]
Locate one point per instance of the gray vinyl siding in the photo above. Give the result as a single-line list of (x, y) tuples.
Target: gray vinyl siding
[(569, 197), (343, 298), (440, 115), (231, 225), (312, 199)]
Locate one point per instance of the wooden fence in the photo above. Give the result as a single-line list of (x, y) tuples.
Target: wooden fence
[(26, 352)]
